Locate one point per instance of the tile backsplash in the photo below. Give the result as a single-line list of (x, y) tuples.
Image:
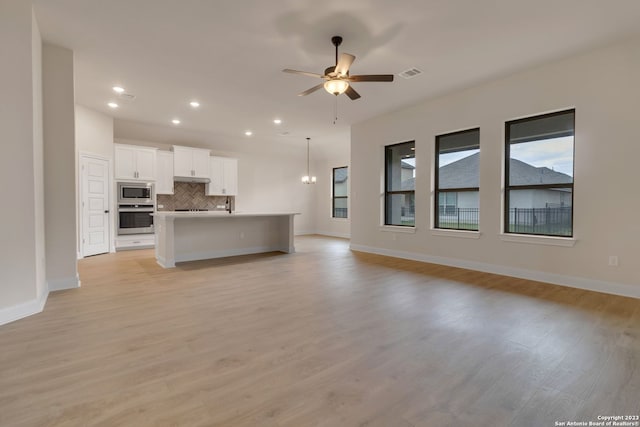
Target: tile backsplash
[(190, 195)]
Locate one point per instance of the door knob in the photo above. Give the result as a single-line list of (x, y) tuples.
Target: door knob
[(107, 211)]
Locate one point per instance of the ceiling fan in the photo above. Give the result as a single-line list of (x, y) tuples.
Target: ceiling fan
[(337, 79)]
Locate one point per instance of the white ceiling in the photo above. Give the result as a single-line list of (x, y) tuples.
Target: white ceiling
[(229, 55)]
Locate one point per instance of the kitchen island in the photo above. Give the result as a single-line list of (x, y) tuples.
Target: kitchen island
[(190, 236)]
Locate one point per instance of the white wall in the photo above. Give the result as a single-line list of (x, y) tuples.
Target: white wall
[(603, 87), (94, 132), (273, 184), (22, 289), (325, 224), (38, 158), (59, 167)]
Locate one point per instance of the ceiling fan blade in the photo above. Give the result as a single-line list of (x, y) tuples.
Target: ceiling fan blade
[(345, 61), (372, 78), (351, 93), (304, 73), (311, 90)]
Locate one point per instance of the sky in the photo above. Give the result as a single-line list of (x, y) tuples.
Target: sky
[(555, 154)]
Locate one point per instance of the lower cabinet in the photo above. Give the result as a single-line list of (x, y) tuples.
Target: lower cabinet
[(135, 241)]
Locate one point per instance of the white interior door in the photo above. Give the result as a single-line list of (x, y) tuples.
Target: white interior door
[(95, 205)]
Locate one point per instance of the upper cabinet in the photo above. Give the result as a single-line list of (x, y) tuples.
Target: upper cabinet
[(164, 183), (133, 163), (190, 162), (223, 174), (230, 177)]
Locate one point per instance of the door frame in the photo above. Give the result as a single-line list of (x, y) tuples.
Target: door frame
[(110, 189)]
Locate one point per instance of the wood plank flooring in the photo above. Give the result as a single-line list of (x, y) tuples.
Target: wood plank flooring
[(322, 337)]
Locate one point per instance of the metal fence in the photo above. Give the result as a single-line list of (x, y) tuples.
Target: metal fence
[(458, 218), (549, 221), (340, 212)]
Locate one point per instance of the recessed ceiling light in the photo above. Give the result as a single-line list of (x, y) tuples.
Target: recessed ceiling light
[(112, 105), (175, 121), (277, 121), (248, 133), (194, 104), (118, 89)]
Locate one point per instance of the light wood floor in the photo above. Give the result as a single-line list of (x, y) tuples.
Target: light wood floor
[(322, 337)]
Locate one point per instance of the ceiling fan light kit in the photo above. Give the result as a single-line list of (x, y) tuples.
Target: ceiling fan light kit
[(336, 77), (336, 86)]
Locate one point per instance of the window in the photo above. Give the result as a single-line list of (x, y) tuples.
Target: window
[(340, 189), (400, 183), (539, 175), (457, 180)]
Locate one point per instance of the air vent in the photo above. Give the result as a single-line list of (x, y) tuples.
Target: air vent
[(285, 133), (127, 97), (410, 73)]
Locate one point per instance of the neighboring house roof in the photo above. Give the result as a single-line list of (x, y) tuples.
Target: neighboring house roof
[(406, 165), (340, 175), (465, 173), (522, 173)]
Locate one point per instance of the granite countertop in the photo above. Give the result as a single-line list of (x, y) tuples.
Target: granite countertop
[(214, 214)]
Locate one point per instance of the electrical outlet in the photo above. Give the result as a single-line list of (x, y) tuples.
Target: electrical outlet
[(613, 260), (160, 206), (220, 206)]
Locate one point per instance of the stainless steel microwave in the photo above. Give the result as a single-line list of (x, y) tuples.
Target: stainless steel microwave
[(136, 193)]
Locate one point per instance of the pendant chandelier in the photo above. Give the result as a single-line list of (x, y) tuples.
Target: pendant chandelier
[(308, 179)]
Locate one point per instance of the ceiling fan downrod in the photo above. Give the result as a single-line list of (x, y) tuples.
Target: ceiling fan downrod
[(337, 41)]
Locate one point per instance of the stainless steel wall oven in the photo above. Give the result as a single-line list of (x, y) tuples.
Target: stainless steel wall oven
[(135, 219)]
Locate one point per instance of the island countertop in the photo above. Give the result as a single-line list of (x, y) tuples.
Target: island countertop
[(215, 214), (190, 236)]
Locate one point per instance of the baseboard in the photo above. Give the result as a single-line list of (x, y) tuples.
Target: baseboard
[(613, 288), (16, 312), (196, 256), (303, 233), (65, 283), (333, 234), (134, 248)]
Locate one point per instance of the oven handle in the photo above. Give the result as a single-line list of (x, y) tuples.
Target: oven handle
[(135, 210)]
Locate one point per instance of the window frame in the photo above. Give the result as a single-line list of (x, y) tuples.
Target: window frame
[(333, 193), (437, 191), (389, 193), (508, 187)]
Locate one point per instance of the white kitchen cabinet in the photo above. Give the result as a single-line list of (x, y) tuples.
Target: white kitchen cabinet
[(164, 183), (135, 241), (190, 162), (223, 173), (133, 163), (216, 176), (230, 177)]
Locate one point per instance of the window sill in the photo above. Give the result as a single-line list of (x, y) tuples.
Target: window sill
[(466, 234), (398, 229), (339, 219), (539, 240)]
